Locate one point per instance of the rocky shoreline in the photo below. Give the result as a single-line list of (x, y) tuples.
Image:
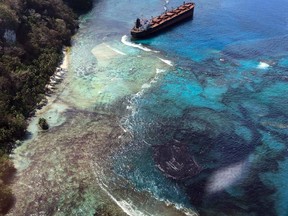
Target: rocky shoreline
[(32, 37)]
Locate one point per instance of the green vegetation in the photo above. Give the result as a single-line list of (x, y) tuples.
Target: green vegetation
[(79, 5), (32, 35), (30, 49)]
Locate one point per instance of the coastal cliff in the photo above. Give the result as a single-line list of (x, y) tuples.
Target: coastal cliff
[(32, 35)]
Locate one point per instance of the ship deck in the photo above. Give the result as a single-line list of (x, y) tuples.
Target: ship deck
[(154, 22)]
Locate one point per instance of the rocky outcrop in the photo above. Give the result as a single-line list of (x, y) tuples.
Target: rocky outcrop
[(43, 124)]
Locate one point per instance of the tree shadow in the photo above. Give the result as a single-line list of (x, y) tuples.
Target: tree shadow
[(7, 174)]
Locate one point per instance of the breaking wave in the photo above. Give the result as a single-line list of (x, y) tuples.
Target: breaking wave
[(168, 62), (127, 42)]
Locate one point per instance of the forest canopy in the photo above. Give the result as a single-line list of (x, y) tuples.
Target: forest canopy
[(32, 35)]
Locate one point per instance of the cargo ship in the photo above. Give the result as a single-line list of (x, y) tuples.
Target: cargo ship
[(146, 28)]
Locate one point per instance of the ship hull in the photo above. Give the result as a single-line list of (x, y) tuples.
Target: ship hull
[(152, 31)]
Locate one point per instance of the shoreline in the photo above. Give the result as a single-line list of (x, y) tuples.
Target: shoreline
[(67, 150), (31, 132), (51, 90), (30, 96)]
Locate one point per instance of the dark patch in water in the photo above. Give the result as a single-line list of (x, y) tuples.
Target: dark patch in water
[(196, 192), (258, 194), (253, 49), (175, 161), (200, 135)]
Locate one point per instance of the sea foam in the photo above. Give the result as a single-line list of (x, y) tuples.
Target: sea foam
[(168, 62), (125, 41), (126, 206), (115, 50)]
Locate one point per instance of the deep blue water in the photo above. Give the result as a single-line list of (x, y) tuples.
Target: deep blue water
[(223, 107)]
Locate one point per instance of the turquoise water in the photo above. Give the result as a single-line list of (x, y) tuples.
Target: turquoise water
[(192, 121), (224, 100)]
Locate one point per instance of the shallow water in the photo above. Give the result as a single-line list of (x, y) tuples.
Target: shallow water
[(193, 121)]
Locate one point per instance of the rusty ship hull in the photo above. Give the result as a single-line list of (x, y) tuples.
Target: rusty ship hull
[(157, 24)]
